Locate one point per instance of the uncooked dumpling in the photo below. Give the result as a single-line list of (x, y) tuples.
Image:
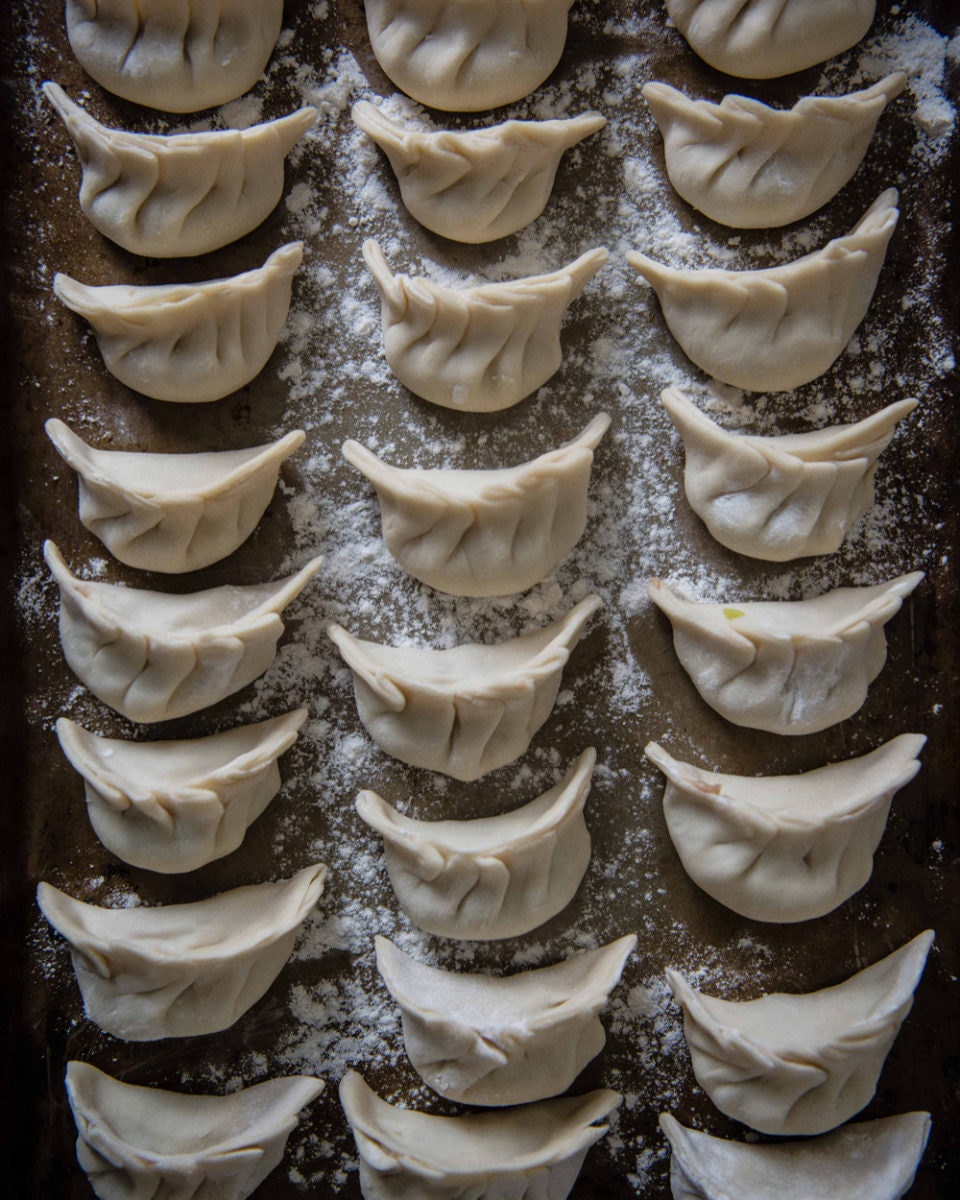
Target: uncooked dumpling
[(476, 349), (463, 711), (480, 185), (775, 329), (763, 39), (534, 1152), (801, 1064), (177, 55), (872, 1160), (189, 342), (495, 1040), (493, 877), (136, 1143), (180, 970), (779, 498), (754, 167), (484, 533), (153, 656), (178, 195), (784, 847), (467, 55), (786, 666), (174, 806), (172, 512)]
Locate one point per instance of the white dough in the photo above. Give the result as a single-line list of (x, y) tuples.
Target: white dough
[(801, 1064), (476, 349), (479, 185)]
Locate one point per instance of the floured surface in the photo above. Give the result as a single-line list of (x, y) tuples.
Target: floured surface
[(623, 686)]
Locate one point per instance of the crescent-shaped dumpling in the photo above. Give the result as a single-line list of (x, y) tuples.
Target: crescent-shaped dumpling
[(172, 512), (786, 666), (484, 533), (463, 711), (189, 343), (763, 39), (480, 185), (138, 1142), (493, 877), (871, 1160), (153, 656), (175, 806), (495, 1040), (784, 847), (476, 349), (754, 167), (181, 970), (779, 498), (177, 55), (178, 195), (467, 55), (533, 1151), (775, 329), (801, 1064)]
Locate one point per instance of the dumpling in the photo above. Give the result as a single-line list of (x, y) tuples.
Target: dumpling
[(786, 666), (172, 512), (784, 847), (493, 877), (181, 970), (481, 185), (179, 195), (138, 1142), (177, 55), (484, 533), (153, 656), (534, 1152), (495, 1040), (463, 711), (775, 329), (174, 806), (801, 1064), (467, 55), (754, 167), (872, 1160), (476, 349), (763, 39), (189, 342), (779, 498)]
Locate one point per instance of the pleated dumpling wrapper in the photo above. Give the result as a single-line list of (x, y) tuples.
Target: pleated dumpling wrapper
[(144, 1142), (783, 497), (175, 806), (172, 513), (189, 343), (778, 328), (784, 847), (176, 55), (871, 1160), (183, 194), (467, 55), (785, 666), (180, 970), (476, 349), (764, 39), (493, 1040), (487, 532), (801, 1064), (535, 1151), (492, 877), (463, 711), (479, 185), (750, 166), (153, 656)]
